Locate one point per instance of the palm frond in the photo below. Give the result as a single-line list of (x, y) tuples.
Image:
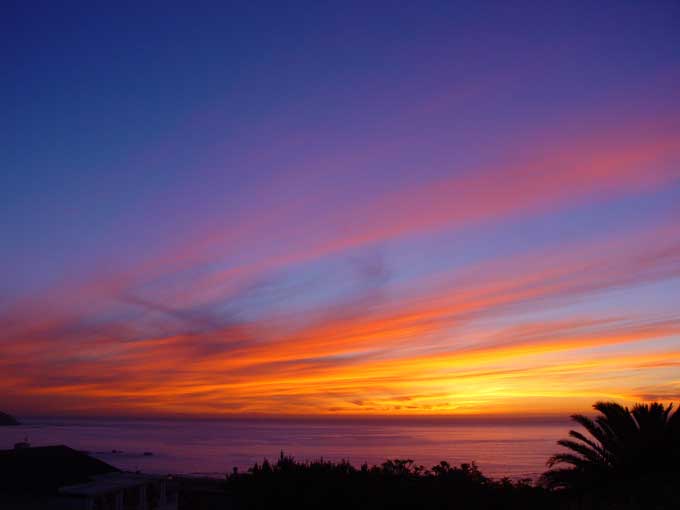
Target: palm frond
[(620, 443), (593, 444), (585, 451), (592, 427), (561, 478), (568, 458)]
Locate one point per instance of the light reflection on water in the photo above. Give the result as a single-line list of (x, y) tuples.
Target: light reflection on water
[(214, 447)]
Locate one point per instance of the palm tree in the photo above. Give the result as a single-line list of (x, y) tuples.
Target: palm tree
[(622, 444)]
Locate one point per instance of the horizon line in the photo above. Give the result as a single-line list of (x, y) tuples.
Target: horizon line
[(353, 418)]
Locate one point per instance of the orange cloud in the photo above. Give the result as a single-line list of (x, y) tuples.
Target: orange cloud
[(434, 348), (434, 352)]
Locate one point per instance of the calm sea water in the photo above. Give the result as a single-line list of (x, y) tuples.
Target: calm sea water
[(214, 447)]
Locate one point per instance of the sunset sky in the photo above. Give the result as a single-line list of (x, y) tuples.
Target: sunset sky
[(334, 209)]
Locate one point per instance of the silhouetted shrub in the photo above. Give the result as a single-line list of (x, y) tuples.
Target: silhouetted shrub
[(397, 483)]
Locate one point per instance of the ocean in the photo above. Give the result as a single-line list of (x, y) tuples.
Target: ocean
[(213, 448)]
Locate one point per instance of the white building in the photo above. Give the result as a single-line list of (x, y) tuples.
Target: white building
[(119, 491)]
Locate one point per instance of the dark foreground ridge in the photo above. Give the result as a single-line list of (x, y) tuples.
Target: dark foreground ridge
[(403, 484), (624, 459), (7, 419), (61, 478), (394, 484), (45, 469)]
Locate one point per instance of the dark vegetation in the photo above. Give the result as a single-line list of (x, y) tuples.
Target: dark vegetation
[(621, 445), (627, 458), (394, 484), (624, 459)]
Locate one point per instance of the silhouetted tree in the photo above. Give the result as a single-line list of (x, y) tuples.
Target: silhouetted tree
[(622, 444), (394, 484)]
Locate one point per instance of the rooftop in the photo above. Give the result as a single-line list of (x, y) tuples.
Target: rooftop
[(103, 484), (46, 468)]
